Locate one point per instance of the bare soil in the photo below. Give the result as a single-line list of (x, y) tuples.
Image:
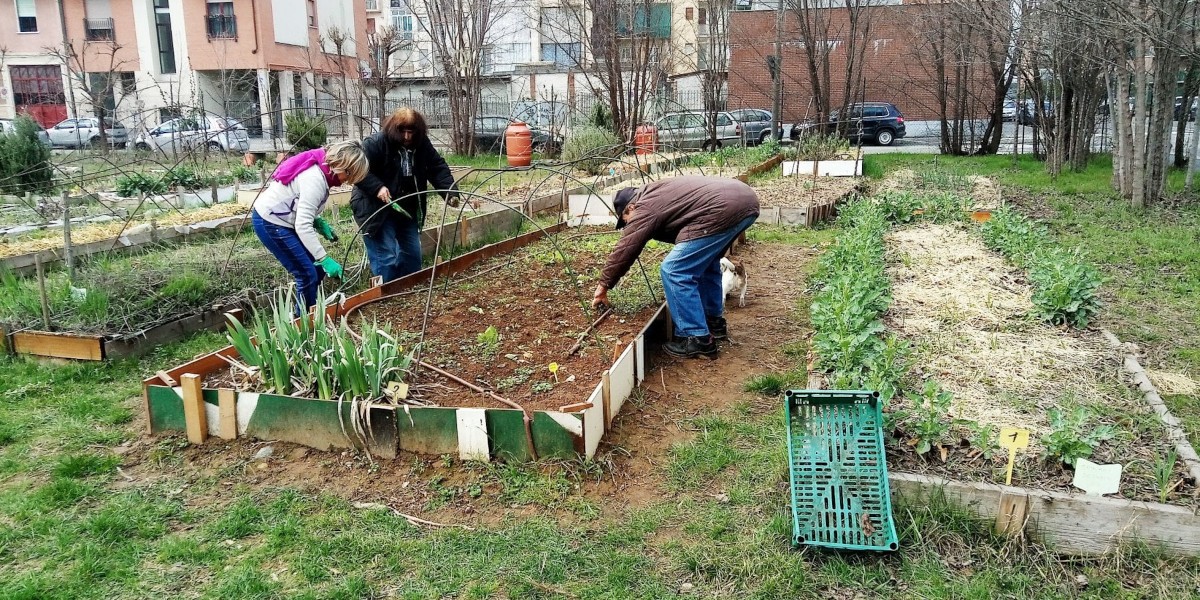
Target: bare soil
[(632, 455)]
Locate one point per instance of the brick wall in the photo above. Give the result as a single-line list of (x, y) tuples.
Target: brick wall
[(897, 69)]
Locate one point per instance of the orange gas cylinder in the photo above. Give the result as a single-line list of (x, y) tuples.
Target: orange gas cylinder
[(519, 142), (646, 139)]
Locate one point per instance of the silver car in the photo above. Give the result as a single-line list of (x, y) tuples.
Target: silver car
[(85, 132), (10, 126), (217, 134), (688, 131)]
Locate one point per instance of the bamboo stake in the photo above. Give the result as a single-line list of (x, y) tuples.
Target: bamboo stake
[(67, 253), (41, 277), (583, 336)]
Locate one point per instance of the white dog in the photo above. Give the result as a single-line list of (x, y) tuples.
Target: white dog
[(733, 279)]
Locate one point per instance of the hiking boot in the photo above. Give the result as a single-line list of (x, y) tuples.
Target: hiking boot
[(717, 327), (692, 347)]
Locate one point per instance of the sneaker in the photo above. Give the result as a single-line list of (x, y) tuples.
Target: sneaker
[(691, 347), (717, 327)]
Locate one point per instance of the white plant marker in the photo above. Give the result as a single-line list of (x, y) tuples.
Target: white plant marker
[(1096, 480)]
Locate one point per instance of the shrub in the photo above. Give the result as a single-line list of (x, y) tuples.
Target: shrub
[(185, 177), (244, 174), (133, 183), (600, 117), (24, 160), (304, 132), (591, 149)]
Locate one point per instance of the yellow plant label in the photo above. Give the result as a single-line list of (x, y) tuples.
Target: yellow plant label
[(1014, 438), (553, 368)]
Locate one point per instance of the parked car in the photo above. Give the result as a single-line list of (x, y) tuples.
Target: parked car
[(85, 132), (490, 129), (1027, 116), (756, 124), (1179, 108), (1009, 112), (689, 131), (10, 126), (878, 122), (218, 134)]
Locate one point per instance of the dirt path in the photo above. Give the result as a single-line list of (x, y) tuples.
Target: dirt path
[(634, 452)]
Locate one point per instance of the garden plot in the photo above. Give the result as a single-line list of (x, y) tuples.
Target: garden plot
[(966, 312), (983, 191), (802, 191), (502, 323)]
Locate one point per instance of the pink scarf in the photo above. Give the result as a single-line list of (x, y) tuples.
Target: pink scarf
[(290, 168)]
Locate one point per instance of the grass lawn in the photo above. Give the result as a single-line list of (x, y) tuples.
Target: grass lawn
[(72, 525), (1150, 258)]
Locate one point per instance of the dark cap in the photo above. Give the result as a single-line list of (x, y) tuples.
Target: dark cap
[(620, 201)]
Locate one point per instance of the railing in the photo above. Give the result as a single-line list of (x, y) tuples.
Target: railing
[(97, 29), (222, 27)]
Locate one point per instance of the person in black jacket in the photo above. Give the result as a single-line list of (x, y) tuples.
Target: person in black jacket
[(403, 165)]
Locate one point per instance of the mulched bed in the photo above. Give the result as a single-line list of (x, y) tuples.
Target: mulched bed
[(802, 191)]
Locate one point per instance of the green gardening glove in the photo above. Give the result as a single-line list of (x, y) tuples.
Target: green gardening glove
[(324, 229), (331, 267)]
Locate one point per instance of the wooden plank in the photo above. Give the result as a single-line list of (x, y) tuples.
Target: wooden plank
[(1071, 524), (194, 415), (227, 403), (606, 397), (593, 422), (1012, 514), (140, 343), (472, 434), (58, 345)]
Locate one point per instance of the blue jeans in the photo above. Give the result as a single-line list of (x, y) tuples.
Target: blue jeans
[(691, 276), (394, 249), (286, 246)]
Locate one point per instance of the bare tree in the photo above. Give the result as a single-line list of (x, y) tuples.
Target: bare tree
[(385, 63), (95, 67), (625, 44), (826, 26), (713, 60), (461, 31)]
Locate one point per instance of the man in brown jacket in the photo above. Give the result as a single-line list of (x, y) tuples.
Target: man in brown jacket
[(701, 216)]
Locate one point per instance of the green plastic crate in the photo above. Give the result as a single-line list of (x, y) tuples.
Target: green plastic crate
[(840, 493)]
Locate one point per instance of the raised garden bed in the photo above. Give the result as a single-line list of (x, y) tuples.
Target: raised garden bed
[(534, 325)]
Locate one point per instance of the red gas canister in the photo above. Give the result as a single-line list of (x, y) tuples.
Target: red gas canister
[(519, 142), (645, 138)]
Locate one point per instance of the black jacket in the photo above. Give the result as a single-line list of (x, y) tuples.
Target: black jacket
[(428, 167)]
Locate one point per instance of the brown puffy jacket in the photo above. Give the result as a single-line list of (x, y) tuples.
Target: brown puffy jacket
[(677, 210)]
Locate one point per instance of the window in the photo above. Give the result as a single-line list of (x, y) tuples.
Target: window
[(128, 83), (312, 13), (723, 120), (166, 43), (372, 5), (221, 22), (702, 18), (687, 13), (402, 22), (564, 56), (26, 17)]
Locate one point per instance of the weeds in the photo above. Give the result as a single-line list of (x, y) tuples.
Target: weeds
[(767, 384), (929, 423)]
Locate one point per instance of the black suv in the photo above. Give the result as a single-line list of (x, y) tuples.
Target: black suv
[(880, 122)]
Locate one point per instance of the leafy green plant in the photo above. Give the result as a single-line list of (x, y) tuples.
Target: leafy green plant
[(600, 117), (24, 159), (1064, 288), (929, 423), (185, 177), (818, 146), (305, 132), (1064, 285), (542, 387), (887, 368), (244, 174), (312, 356), (489, 341), (133, 183), (984, 437), (1164, 469), (1071, 435), (519, 376), (591, 149)]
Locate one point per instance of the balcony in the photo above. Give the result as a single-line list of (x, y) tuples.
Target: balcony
[(96, 30), (222, 27), (652, 20)]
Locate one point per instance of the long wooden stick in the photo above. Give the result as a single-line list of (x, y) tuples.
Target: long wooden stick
[(583, 336)]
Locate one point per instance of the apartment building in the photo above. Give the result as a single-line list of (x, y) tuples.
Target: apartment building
[(542, 52), (145, 61)]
